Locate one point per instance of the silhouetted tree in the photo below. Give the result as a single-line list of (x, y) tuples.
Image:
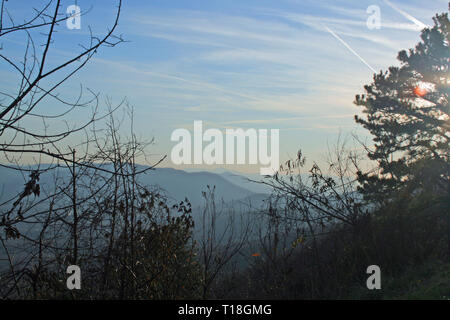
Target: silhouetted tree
[(407, 112)]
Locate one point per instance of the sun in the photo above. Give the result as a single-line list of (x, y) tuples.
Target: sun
[(422, 89)]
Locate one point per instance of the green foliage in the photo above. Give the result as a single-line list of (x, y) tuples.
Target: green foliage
[(423, 282)]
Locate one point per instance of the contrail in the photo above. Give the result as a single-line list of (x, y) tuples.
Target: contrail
[(350, 48), (418, 23)]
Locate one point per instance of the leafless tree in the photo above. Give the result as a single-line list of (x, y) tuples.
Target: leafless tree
[(224, 233), (38, 79)]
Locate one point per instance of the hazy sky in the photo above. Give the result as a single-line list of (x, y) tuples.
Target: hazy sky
[(241, 64)]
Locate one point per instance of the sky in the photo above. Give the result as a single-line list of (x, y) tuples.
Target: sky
[(292, 65)]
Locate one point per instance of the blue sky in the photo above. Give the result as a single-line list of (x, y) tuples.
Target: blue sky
[(241, 64)]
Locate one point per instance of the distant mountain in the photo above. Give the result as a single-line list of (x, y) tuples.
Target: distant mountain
[(248, 181), (178, 184)]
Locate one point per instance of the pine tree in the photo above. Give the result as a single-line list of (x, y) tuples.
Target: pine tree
[(407, 111)]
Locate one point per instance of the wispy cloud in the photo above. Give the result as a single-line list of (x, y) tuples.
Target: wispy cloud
[(278, 120)]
